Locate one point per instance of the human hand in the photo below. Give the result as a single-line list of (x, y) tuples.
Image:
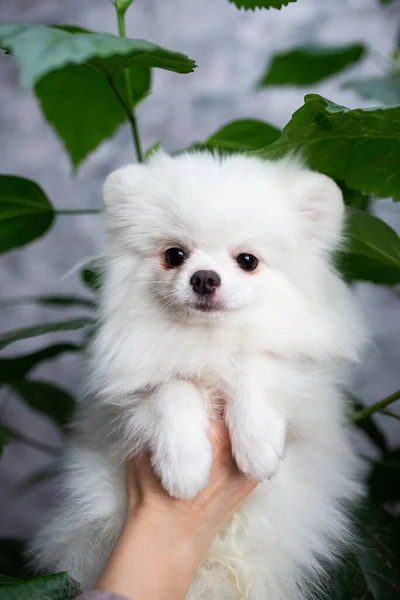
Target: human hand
[(200, 518), (164, 538)]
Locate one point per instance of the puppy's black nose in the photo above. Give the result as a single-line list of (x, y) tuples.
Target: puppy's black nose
[(205, 282)]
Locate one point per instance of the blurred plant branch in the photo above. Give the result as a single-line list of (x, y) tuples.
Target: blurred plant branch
[(377, 407)]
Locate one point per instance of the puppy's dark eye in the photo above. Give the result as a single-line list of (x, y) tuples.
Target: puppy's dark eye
[(247, 262), (174, 257)]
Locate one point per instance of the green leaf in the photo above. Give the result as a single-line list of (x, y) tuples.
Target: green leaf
[(47, 398), (9, 337), (52, 301), (25, 212), (385, 90), (310, 64), (5, 437), (349, 583), (12, 369), (13, 564), (40, 49), (358, 147), (5, 580), (384, 479), (91, 277), (197, 147), (355, 198), (63, 301), (49, 587), (152, 149), (244, 135), (82, 107), (79, 78), (373, 250), (372, 572), (253, 4)]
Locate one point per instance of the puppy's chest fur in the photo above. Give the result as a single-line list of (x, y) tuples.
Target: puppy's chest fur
[(210, 357)]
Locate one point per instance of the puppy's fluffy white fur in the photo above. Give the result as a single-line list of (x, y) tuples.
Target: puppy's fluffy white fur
[(276, 346)]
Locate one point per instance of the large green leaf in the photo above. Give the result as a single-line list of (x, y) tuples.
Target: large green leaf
[(373, 250), (384, 479), (79, 78), (13, 563), (372, 572), (253, 4), (49, 587), (355, 198), (359, 147), (40, 49), (385, 90), (244, 135), (12, 369), (47, 398), (8, 337), (25, 212), (309, 64), (79, 102), (5, 437)]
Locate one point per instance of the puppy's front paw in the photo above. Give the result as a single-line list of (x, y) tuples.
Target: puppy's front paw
[(258, 451), (183, 468), (258, 462)]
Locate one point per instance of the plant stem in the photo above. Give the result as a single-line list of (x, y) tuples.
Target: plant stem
[(377, 407), (78, 211), (121, 22), (135, 134), (389, 413), (128, 84), (131, 117)]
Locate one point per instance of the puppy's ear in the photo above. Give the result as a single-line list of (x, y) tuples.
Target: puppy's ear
[(121, 190), (319, 203)]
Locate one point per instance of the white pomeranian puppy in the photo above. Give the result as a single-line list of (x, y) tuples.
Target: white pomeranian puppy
[(218, 280)]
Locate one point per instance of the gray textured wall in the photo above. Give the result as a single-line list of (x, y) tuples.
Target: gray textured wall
[(231, 48)]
